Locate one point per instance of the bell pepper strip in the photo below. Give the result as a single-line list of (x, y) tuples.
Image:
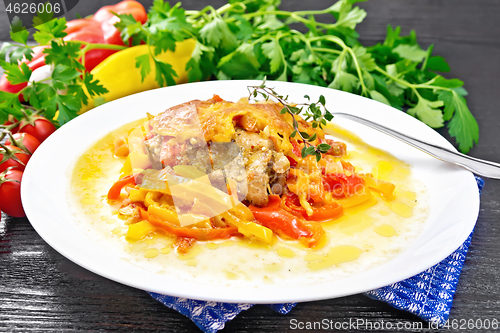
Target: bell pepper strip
[(286, 224), (326, 212), (249, 228), (342, 186), (386, 188), (196, 233), (355, 199), (115, 190)]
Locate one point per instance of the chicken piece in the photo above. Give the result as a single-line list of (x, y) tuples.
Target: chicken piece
[(338, 149), (258, 154)]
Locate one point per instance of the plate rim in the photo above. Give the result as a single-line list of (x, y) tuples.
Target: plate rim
[(52, 241)]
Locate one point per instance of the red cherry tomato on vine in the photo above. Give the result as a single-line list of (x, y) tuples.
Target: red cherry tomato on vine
[(29, 141), (42, 130), (7, 160), (10, 193), (8, 122)]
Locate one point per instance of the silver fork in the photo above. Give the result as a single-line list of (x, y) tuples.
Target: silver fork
[(479, 167)]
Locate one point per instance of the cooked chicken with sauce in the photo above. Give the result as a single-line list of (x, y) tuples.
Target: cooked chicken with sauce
[(240, 142)]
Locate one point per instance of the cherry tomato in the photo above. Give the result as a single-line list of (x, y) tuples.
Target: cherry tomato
[(42, 129), (11, 120), (10, 193), (29, 141), (6, 159)]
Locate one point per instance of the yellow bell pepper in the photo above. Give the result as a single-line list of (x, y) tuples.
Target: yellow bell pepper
[(137, 194), (121, 77), (139, 230), (250, 229)]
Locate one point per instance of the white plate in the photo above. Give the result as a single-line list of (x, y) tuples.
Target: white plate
[(454, 198)]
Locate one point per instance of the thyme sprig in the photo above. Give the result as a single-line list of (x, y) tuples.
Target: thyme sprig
[(316, 113)]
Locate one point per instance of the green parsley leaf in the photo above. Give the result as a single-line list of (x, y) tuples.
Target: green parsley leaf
[(16, 74), (94, 88), (437, 63), (143, 62), (164, 74), (428, 112), (272, 50), (345, 81), (21, 36), (410, 52), (241, 63), (217, 34), (462, 125)]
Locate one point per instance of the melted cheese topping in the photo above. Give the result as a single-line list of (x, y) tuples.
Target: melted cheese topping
[(215, 121)]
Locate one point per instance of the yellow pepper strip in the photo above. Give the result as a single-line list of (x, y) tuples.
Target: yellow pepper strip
[(139, 230), (137, 194), (152, 197), (118, 73), (188, 171), (355, 199), (165, 214), (386, 188), (249, 229)]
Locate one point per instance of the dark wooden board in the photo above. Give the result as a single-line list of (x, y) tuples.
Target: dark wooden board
[(40, 290)]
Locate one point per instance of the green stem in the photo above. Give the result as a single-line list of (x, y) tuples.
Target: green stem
[(345, 48), (323, 49), (360, 73), (92, 46), (410, 85)]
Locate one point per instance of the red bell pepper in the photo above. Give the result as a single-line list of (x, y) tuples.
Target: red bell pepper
[(114, 191), (342, 186), (326, 212), (286, 224), (97, 29)]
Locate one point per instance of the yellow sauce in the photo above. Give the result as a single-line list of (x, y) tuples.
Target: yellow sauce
[(361, 234)]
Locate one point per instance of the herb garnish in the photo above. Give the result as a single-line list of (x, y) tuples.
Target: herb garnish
[(315, 111)]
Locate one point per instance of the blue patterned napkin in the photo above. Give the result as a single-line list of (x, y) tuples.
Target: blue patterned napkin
[(428, 295)]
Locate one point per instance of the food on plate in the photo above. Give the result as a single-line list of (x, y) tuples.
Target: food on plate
[(225, 189)]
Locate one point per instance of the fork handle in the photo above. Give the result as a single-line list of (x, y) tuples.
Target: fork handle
[(479, 167)]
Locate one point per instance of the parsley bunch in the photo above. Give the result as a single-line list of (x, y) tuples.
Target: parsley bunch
[(253, 39)]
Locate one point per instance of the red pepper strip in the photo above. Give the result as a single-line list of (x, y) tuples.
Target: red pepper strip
[(286, 224), (342, 186), (326, 212), (115, 190), (196, 233)]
